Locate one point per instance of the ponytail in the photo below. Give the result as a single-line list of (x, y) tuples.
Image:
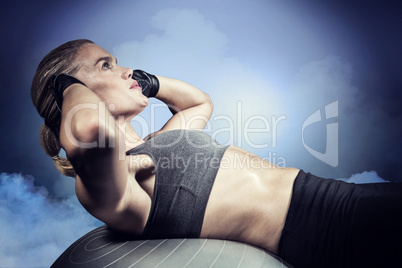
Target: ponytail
[(51, 145), (60, 60)]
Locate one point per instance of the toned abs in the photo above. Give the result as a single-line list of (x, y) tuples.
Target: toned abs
[(249, 200)]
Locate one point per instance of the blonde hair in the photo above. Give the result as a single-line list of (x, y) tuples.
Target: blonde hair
[(60, 60)]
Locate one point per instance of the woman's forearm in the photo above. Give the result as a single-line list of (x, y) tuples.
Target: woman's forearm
[(179, 95)]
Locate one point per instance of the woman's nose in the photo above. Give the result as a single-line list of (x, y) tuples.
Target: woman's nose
[(127, 73)]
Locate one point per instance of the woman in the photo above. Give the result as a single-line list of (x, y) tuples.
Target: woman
[(178, 182)]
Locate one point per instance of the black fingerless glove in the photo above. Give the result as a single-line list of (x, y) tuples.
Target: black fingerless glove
[(59, 83), (148, 82)]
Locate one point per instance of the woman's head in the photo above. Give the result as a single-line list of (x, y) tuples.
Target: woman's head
[(99, 71), (113, 84), (62, 59)]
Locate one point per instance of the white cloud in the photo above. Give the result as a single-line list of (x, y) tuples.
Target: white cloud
[(327, 80), (191, 48), (362, 142), (365, 177), (35, 229), (186, 45)]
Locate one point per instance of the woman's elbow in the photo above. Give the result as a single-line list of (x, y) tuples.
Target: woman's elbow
[(89, 129), (209, 102), (86, 131)]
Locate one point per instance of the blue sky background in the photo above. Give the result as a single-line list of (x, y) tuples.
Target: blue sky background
[(258, 60)]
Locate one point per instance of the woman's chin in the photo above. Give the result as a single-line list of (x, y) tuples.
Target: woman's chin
[(145, 101)]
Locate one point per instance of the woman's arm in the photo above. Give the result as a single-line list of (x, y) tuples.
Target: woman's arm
[(90, 136), (191, 107)]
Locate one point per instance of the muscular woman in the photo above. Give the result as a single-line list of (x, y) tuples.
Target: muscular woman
[(178, 182)]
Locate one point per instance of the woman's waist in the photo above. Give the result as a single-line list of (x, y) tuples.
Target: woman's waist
[(250, 204), (241, 168), (255, 217)]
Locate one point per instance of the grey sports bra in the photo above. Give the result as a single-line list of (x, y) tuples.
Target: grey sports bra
[(186, 163)]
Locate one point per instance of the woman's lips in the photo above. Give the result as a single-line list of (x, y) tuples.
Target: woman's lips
[(135, 85)]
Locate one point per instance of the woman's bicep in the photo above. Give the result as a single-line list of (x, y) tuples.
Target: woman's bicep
[(195, 118), (91, 145), (191, 107), (103, 183), (191, 118)]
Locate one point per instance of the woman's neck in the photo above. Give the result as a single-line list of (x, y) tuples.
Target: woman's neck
[(130, 136)]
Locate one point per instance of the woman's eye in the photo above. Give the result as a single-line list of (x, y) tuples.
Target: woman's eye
[(106, 66)]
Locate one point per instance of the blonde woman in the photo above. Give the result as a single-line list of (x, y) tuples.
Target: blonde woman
[(178, 182)]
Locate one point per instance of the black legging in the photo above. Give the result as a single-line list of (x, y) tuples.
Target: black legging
[(331, 223)]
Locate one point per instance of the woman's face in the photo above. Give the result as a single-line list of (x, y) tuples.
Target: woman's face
[(112, 83)]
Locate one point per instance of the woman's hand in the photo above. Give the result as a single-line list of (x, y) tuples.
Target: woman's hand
[(59, 83), (148, 83)]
